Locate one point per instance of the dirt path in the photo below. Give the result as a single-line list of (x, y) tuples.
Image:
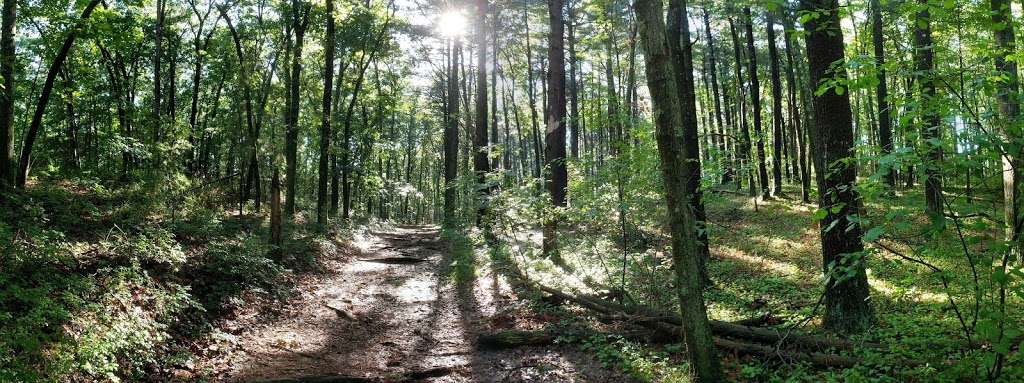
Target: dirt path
[(392, 312)]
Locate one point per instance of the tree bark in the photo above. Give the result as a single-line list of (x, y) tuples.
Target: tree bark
[(681, 52), (555, 176), (847, 304), (669, 132)]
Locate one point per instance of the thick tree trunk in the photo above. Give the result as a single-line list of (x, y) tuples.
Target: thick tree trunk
[(681, 51), (555, 176), (847, 304), (44, 94), (669, 131)]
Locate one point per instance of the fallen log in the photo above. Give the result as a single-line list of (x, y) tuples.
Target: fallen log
[(514, 338), (394, 260), (519, 338), (720, 328), (411, 376)]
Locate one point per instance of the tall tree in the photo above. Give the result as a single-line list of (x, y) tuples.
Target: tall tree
[(451, 134), (574, 113), (7, 57), (713, 71), (681, 51), (1007, 96), (930, 117), (882, 89), (778, 124), (743, 148), (300, 19), (161, 13), (755, 103), (556, 176), (847, 307), (481, 155), (794, 111), (669, 133), (44, 94), (325, 119)]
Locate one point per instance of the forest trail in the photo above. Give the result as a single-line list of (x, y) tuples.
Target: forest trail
[(394, 312)]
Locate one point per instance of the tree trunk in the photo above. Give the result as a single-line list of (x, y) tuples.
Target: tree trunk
[(300, 16), (481, 157), (882, 90), (44, 94), (744, 147), (161, 11), (778, 124), (931, 119), (794, 113), (669, 131), (713, 71), (681, 52), (755, 103), (556, 176), (7, 58), (325, 120), (1009, 111), (574, 113), (451, 135), (847, 304), (253, 137)]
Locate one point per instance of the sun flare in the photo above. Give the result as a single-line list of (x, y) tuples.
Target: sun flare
[(452, 24)]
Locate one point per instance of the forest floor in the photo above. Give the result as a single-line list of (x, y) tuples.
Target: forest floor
[(398, 307)]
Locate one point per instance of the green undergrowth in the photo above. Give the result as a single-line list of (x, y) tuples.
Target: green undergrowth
[(766, 261), (114, 282)]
